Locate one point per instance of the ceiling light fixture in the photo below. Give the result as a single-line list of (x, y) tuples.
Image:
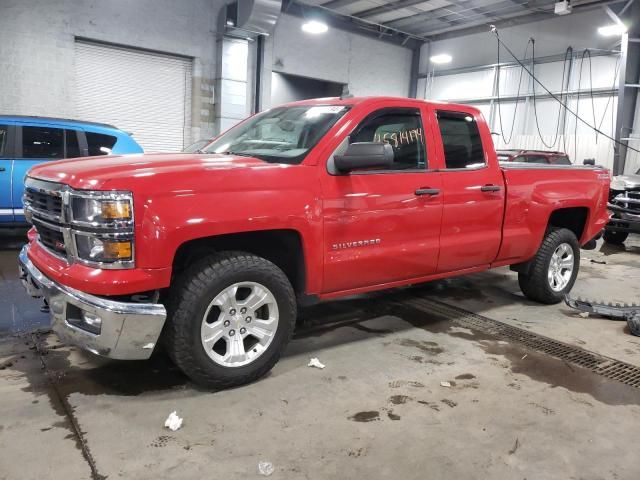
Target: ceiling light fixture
[(441, 58), (315, 27), (615, 29)]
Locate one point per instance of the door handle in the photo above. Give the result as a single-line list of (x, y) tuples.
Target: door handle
[(2, 169), (427, 191), (490, 188)]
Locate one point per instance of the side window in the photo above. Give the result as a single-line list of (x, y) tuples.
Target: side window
[(562, 160), (71, 141), (400, 128), (100, 144), (42, 142), (461, 140), (4, 139), (536, 159)]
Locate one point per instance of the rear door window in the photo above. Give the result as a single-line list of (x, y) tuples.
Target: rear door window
[(100, 144), (42, 142), (561, 160), (460, 140), (4, 139)]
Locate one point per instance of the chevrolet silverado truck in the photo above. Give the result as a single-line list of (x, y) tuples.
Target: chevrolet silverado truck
[(209, 254)]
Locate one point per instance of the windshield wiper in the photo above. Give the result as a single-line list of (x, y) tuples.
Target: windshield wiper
[(240, 154)]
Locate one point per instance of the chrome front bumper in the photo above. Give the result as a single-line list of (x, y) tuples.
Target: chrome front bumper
[(129, 331)]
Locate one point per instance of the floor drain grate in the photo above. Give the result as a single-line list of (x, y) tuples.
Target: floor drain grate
[(605, 366)]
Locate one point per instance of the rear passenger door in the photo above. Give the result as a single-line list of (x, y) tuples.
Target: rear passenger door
[(6, 167), (473, 194), (37, 143)]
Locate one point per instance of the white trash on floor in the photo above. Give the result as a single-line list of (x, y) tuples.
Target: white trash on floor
[(445, 384), (173, 421), (265, 468), (314, 362)]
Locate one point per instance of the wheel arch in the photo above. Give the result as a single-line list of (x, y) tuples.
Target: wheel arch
[(282, 247), (571, 218)]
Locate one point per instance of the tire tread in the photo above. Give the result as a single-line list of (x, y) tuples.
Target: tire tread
[(189, 288), (534, 284)]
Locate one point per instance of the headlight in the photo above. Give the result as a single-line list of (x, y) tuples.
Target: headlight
[(97, 248), (101, 209), (102, 228), (618, 183)]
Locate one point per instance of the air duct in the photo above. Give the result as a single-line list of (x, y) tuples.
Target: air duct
[(242, 26), (250, 18)]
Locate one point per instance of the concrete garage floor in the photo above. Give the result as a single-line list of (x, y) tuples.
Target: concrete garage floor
[(377, 410)]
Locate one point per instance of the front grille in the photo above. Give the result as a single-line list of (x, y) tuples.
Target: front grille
[(51, 238), (43, 205), (629, 201), (45, 202)]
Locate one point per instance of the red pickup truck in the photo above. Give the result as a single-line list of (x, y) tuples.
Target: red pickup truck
[(210, 253)]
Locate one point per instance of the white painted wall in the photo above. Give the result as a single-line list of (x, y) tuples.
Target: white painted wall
[(368, 66), (633, 158), (553, 36)]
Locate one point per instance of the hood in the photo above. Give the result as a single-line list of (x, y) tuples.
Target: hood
[(625, 182), (107, 172)]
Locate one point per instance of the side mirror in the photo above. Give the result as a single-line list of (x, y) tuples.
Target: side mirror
[(589, 161), (363, 155)]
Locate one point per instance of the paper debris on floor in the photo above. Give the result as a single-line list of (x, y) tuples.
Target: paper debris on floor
[(445, 384), (584, 314), (265, 468), (314, 362), (173, 421)]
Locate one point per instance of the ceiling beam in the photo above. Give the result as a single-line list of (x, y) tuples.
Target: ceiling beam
[(350, 23), (479, 27), (335, 4), (389, 7), (624, 9), (459, 10), (507, 21)]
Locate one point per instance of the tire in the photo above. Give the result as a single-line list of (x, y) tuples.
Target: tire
[(615, 238), (536, 283), (194, 319)]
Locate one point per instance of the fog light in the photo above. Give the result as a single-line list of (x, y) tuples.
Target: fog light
[(92, 323)]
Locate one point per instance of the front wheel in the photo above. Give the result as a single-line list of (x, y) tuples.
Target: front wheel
[(554, 269), (230, 317)]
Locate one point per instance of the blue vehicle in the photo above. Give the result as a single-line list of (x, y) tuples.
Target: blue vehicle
[(28, 141)]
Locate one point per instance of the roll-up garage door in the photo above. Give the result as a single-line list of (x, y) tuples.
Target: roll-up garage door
[(146, 94)]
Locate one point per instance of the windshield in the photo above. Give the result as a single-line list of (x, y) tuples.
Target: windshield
[(280, 135)]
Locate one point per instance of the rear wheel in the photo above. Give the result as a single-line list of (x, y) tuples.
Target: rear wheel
[(554, 269), (230, 317), (615, 238)]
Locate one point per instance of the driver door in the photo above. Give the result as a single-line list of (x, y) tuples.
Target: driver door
[(383, 226)]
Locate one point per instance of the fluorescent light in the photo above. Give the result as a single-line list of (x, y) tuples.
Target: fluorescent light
[(442, 58), (615, 29), (315, 27)]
